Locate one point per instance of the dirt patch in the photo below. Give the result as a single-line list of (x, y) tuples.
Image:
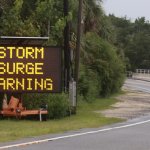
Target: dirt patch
[(131, 105)]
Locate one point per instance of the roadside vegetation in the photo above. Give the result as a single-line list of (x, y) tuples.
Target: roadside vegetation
[(102, 68), (88, 116), (109, 46)]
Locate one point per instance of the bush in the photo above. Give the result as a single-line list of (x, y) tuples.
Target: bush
[(88, 84), (102, 71), (58, 104)]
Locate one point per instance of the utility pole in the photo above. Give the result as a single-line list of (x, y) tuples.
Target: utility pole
[(66, 48), (74, 84), (69, 82), (79, 30)]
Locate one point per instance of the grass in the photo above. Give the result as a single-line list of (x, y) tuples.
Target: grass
[(86, 118)]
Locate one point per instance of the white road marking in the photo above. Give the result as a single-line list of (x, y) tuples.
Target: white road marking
[(73, 135)]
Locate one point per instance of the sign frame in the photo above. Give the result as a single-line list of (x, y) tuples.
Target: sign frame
[(59, 89)]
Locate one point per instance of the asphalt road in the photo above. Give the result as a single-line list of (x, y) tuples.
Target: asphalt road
[(135, 137), (138, 85), (131, 135)]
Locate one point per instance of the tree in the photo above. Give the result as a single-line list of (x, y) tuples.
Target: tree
[(100, 58), (95, 19), (46, 18)]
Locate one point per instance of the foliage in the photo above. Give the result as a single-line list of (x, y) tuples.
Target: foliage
[(94, 19), (58, 105), (89, 84), (101, 71), (85, 118), (133, 38), (103, 68)]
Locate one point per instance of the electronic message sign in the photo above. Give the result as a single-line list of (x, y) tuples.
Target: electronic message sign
[(30, 69)]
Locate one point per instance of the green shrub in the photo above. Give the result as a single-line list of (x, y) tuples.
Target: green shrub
[(102, 71), (89, 84), (58, 104)]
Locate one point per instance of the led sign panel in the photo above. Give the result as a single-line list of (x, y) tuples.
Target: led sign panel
[(30, 69)]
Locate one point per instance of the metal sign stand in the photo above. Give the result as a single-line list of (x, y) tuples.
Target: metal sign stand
[(72, 96)]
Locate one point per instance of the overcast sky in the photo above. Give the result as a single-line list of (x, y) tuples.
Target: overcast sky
[(130, 8)]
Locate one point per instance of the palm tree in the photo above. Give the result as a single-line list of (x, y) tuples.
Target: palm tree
[(92, 15)]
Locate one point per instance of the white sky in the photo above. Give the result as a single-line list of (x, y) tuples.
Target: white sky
[(132, 9)]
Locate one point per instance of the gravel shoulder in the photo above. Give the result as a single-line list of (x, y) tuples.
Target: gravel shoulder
[(132, 104)]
